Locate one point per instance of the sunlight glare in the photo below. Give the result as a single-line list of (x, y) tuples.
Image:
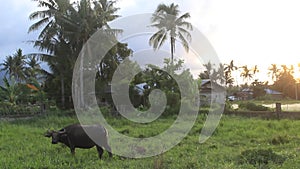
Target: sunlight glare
[(297, 72)]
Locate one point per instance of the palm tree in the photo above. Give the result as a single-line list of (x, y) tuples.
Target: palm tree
[(274, 71), (229, 68), (65, 28), (49, 21), (8, 65), (219, 74), (246, 74), (85, 18), (33, 69), (255, 70), (170, 26), (61, 67), (207, 72), (15, 65)]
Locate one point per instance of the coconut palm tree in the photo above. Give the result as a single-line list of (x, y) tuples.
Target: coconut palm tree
[(50, 21), (8, 65), (65, 28), (207, 72), (228, 69), (15, 65), (254, 70), (33, 69), (170, 26), (274, 71), (246, 73)]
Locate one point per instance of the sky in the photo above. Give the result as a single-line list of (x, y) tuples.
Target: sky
[(250, 32)]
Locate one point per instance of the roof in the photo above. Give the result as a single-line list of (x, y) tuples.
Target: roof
[(247, 90), (204, 81), (273, 92), (207, 84)]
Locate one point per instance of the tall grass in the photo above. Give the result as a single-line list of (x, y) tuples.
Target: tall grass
[(22, 144)]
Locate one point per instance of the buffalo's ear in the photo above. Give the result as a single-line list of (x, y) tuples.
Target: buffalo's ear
[(48, 133)]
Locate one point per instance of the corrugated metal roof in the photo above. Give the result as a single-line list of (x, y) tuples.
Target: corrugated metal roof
[(269, 91)]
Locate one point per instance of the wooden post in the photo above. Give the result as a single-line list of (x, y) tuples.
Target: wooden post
[(278, 109)]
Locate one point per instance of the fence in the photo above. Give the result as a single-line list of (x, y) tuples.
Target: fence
[(285, 107)]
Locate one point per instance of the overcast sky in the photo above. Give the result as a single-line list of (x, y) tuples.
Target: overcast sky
[(248, 31)]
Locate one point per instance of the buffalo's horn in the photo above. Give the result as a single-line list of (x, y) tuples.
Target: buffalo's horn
[(62, 131)]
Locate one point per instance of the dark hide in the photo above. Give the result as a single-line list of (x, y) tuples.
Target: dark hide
[(74, 136)]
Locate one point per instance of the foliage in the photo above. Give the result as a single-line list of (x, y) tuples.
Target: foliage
[(11, 91), (285, 82), (258, 89), (15, 65), (228, 69), (18, 98), (165, 80), (170, 26), (252, 106), (268, 98), (65, 28), (228, 106), (260, 157), (7, 109)]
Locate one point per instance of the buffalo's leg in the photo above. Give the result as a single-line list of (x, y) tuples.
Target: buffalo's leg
[(72, 150), (108, 149), (100, 151)]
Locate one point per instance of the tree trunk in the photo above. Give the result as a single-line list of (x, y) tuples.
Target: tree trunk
[(172, 49), (62, 81)]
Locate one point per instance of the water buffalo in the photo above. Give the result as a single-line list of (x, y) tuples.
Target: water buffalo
[(74, 136)]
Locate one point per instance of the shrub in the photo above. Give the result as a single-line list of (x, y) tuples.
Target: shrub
[(260, 157), (228, 106), (7, 108), (252, 106)]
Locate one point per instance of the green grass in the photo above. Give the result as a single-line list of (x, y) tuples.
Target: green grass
[(22, 145)]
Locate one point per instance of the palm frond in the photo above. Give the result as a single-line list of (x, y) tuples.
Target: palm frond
[(184, 42), (185, 34), (158, 39)]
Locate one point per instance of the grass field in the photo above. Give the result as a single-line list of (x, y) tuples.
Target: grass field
[(237, 143)]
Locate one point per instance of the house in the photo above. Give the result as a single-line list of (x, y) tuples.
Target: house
[(247, 94), (211, 92), (274, 94), (244, 94)]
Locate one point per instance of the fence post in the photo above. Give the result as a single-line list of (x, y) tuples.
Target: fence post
[(278, 109)]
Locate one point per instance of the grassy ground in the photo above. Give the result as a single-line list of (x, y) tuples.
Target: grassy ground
[(271, 143)]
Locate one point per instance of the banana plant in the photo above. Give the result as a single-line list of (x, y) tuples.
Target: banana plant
[(10, 91), (37, 89)]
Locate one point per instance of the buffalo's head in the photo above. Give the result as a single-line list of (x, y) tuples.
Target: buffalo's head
[(56, 135)]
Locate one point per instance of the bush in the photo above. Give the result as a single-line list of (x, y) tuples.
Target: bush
[(252, 106), (7, 109), (260, 157), (228, 106)]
